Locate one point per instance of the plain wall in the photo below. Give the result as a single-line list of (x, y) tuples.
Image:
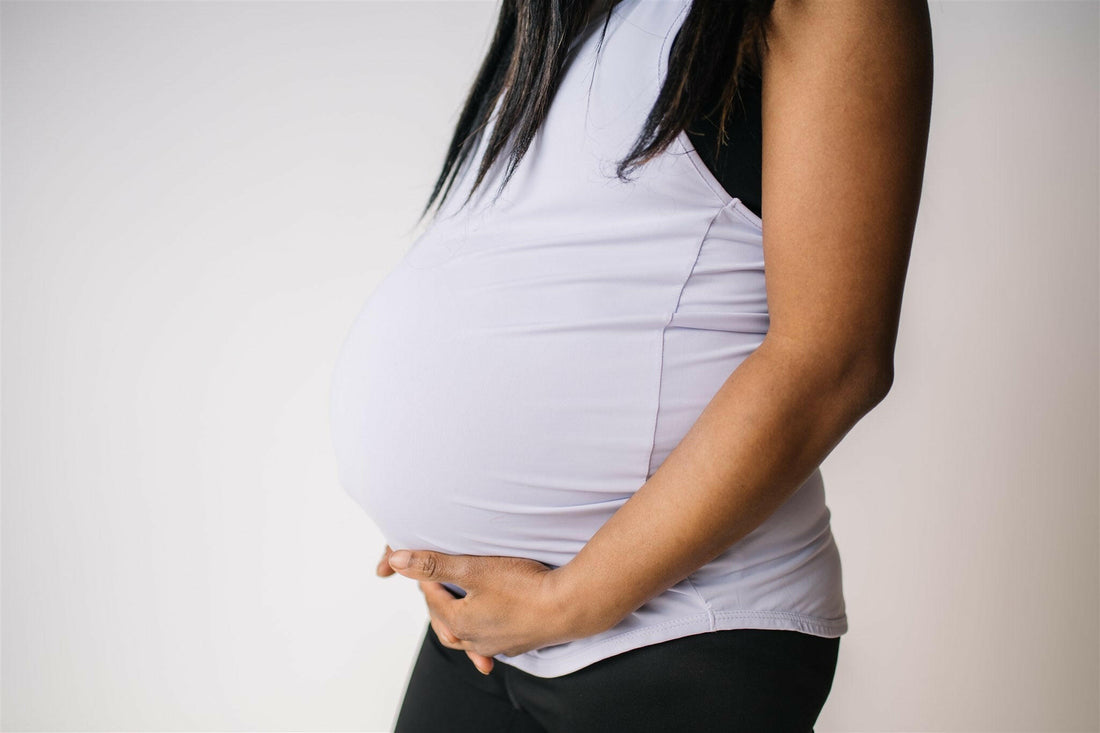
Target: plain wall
[(198, 197)]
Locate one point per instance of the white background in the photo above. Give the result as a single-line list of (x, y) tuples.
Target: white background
[(197, 199)]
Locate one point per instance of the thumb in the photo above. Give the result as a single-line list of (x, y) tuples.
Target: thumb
[(428, 565)]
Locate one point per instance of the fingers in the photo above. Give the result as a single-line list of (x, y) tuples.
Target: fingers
[(441, 605), (444, 634), (434, 594), (384, 570), (481, 662)]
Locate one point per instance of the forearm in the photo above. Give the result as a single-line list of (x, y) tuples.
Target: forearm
[(769, 426)]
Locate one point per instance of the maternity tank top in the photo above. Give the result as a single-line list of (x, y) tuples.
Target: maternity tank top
[(531, 361)]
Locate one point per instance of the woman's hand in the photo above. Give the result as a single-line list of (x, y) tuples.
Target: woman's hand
[(482, 663), (512, 604)]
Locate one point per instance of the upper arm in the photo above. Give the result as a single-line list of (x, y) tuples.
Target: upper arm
[(845, 112)]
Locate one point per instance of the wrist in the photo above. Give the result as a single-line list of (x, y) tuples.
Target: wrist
[(578, 609)]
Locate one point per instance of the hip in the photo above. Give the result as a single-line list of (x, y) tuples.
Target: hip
[(739, 680)]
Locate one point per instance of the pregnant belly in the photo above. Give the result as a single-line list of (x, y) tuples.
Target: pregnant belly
[(464, 423)]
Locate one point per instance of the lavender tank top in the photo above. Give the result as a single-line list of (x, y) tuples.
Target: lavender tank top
[(532, 361)]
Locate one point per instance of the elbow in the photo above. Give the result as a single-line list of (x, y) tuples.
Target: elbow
[(867, 380), (858, 376), (859, 379), (879, 381)]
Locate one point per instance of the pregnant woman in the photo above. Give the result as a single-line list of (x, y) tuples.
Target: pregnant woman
[(587, 409)]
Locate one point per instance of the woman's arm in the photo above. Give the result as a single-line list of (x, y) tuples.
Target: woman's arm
[(845, 113)]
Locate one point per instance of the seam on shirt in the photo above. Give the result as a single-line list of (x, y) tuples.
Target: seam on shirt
[(664, 330), (710, 611), (655, 634), (641, 632), (688, 150), (819, 625), (667, 39), (823, 626), (748, 215)]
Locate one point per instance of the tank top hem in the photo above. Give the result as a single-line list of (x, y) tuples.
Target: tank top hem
[(700, 623)]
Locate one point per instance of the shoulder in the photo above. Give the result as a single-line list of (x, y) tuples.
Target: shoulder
[(886, 34), (847, 67)]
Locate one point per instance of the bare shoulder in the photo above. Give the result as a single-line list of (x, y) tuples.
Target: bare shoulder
[(845, 110), (888, 36)]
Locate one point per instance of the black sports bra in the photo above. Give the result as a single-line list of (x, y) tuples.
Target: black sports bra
[(737, 166)]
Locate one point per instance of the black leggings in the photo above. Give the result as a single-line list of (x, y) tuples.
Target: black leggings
[(758, 680)]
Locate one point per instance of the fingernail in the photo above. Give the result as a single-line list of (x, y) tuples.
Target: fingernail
[(399, 560)]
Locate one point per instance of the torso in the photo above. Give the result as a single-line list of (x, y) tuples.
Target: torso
[(530, 363)]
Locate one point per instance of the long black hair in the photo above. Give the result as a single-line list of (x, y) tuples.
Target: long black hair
[(718, 43)]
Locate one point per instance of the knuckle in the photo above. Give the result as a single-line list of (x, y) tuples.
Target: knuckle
[(440, 632), (459, 626), (461, 567)]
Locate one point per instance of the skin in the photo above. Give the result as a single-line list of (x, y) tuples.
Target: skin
[(845, 114)]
